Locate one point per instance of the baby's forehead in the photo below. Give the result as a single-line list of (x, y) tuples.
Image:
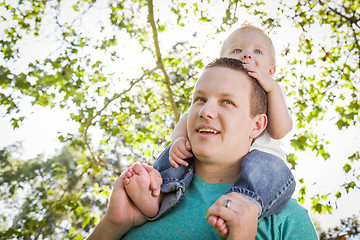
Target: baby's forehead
[(237, 38), (256, 35)]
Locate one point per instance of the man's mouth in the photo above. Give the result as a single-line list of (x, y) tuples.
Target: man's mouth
[(208, 130)]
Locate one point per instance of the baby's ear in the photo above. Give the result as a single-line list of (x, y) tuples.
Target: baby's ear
[(272, 70), (260, 123)]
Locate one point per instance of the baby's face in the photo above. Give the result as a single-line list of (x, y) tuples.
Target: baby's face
[(251, 47)]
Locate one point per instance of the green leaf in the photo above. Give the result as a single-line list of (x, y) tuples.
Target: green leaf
[(347, 168)]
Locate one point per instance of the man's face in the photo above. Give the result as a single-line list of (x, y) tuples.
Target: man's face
[(219, 122), (252, 47)]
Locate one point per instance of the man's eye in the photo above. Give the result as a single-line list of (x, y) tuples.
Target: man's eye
[(199, 99), (237, 51), (257, 52)]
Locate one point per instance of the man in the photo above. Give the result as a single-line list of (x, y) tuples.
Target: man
[(227, 113)]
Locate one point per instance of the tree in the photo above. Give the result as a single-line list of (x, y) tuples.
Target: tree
[(134, 109), (332, 86), (349, 229), (49, 197)]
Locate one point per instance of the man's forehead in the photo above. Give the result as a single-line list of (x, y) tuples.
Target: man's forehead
[(224, 78)]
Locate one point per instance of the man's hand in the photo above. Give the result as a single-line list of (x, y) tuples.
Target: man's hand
[(121, 210), (180, 149), (240, 217), (120, 216)]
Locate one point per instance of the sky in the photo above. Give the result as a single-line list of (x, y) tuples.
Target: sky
[(42, 126)]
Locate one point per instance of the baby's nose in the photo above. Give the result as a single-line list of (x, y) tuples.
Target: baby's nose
[(246, 56)]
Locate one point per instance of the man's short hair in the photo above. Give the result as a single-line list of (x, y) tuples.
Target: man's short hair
[(258, 97)]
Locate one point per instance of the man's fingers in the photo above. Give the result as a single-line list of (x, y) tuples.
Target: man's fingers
[(220, 211), (147, 167), (155, 182)]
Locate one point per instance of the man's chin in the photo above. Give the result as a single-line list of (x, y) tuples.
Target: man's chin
[(203, 155)]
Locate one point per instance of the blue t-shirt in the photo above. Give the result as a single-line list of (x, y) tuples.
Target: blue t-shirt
[(187, 219)]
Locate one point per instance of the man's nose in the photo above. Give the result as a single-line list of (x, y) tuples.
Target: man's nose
[(208, 110)]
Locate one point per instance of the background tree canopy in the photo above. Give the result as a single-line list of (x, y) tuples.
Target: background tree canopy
[(110, 64)]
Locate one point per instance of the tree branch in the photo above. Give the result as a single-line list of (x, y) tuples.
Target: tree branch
[(89, 121), (159, 61)]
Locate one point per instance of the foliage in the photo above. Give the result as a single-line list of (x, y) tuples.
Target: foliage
[(328, 75), (61, 190), (349, 229), (134, 109)]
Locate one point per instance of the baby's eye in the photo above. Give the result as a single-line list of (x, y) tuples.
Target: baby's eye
[(237, 51), (257, 52), (228, 102)]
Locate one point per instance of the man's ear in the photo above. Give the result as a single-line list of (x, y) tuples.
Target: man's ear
[(272, 70), (260, 123)]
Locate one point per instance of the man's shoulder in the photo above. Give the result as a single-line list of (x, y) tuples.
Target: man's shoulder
[(293, 222), (293, 208), (293, 211), (293, 205)]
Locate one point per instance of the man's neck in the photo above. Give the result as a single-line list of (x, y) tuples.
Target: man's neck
[(217, 173)]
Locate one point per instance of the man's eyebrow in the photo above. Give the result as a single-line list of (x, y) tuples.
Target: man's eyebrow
[(229, 95)]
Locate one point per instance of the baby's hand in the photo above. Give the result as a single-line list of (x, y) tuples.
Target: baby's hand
[(180, 150), (264, 79)]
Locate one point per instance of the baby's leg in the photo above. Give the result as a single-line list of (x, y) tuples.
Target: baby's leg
[(268, 180), (137, 185)]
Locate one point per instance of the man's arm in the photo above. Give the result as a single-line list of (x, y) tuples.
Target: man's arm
[(107, 231), (121, 215)]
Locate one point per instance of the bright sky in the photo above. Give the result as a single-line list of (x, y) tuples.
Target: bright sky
[(42, 126)]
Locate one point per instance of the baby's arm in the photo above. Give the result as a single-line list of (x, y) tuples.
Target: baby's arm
[(180, 148), (180, 129), (280, 122)]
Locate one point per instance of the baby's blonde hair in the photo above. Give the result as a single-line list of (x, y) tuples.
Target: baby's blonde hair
[(249, 26)]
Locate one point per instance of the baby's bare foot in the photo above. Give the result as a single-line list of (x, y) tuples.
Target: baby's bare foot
[(137, 185), (220, 226)]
